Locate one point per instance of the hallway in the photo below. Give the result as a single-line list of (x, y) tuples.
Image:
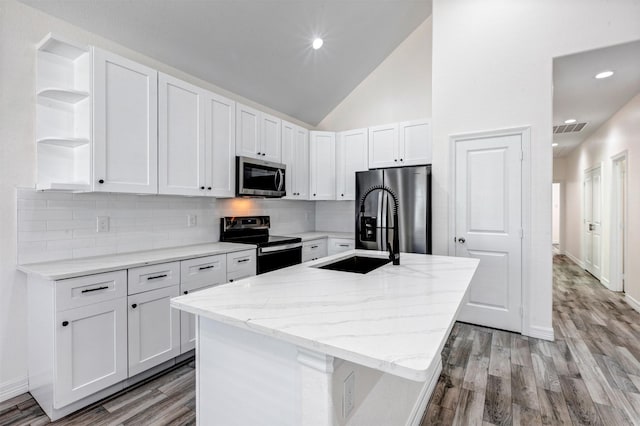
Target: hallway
[(589, 375)]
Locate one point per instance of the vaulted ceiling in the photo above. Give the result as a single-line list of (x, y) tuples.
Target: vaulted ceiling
[(259, 49)]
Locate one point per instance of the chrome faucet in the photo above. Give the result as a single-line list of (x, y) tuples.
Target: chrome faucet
[(394, 252)]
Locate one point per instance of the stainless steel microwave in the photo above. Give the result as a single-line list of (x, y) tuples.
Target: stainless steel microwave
[(259, 178)]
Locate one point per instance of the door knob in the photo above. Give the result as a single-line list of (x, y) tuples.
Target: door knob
[(461, 240)]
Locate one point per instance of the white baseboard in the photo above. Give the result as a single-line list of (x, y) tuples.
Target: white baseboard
[(574, 259), (605, 282), (13, 388), (632, 302), (545, 333)]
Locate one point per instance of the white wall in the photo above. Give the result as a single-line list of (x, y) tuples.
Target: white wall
[(21, 27), (620, 133), (492, 69), (398, 89)]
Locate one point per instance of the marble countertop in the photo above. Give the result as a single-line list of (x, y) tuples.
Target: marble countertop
[(314, 235), (61, 269), (395, 319)]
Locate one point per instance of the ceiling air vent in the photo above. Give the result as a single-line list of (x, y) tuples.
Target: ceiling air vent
[(569, 128)]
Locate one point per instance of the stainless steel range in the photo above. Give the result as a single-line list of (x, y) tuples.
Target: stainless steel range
[(273, 252)]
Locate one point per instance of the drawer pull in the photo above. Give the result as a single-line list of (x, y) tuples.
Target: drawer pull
[(231, 280), (243, 260), (135, 305), (314, 247), (205, 267), (343, 245), (186, 292), (157, 276), (65, 323), (95, 289)]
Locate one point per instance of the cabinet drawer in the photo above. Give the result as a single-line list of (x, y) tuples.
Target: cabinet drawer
[(314, 249), (338, 245), (152, 277), (89, 289), (242, 261), (203, 272)]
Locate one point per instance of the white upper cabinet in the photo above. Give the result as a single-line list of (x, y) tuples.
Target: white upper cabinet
[(181, 137), (352, 151), (257, 134), (415, 142), (404, 144), (125, 125), (295, 155), (196, 147), (322, 166), (220, 145)]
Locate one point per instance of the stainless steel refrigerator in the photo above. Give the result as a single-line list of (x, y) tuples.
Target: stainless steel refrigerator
[(374, 226)]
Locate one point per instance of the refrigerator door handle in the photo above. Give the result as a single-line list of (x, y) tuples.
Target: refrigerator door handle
[(381, 218)]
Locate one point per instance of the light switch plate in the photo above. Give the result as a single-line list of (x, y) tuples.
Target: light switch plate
[(102, 224), (192, 220)]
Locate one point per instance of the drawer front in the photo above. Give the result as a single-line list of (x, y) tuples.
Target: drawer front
[(89, 289), (314, 249), (202, 272), (338, 245), (153, 277), (242, 261)]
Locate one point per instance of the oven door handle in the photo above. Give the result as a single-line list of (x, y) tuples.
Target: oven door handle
[(282, 247)]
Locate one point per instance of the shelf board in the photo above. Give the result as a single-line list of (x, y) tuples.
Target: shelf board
[(58, 46), (69, 96), (57, 186), (66, 142)]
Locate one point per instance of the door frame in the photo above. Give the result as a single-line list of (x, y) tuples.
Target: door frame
[(615, 273), (525, 196)]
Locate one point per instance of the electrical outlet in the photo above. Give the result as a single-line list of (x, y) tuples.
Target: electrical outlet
[(348, 395), (102, 224), (192, 220)]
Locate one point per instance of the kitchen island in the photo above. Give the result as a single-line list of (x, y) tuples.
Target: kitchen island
[(310, 346)]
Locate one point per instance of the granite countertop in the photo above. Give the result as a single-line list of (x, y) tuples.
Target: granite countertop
[(395, 319), (314, 235), (61, 269)]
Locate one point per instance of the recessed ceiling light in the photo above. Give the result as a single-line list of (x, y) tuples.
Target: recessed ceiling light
[(554, 144), (317, 43), (604, 74), (570, 121)]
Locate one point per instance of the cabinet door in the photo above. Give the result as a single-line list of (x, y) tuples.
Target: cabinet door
[(302, 163), (248, 131), (288, 134), (352, 153), (154, 329), (91, 349), (125, 157), (322, 154), (221, 142), (181, 137), (338, 245), (383, 146), (270, 147), (415, 142)]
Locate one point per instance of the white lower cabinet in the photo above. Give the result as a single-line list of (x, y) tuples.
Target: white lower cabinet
[(314, 249), (241, 264), (154, 329), (338, 245), (91, 349)]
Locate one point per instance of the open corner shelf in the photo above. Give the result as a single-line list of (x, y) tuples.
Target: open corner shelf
[(57, 46), (74, 187), (65, 142), (69, 96)]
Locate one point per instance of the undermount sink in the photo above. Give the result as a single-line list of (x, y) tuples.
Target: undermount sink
[(357, 264)]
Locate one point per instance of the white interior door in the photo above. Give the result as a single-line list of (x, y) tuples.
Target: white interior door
[(593, 221), (488, 226)]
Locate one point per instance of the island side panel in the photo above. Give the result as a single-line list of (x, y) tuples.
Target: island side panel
[(245, 378)]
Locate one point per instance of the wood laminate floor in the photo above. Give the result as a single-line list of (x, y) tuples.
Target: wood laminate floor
[(590, 375)]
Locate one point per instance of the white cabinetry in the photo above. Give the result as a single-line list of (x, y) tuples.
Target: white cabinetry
[(77, 333), (352, 152), (198, 274), (295, 155), (196, 140), (153, 326), (314, 249), (241, 264), (125, 113), (338, 245), (400, 144), (322, 165), (257, 134)]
